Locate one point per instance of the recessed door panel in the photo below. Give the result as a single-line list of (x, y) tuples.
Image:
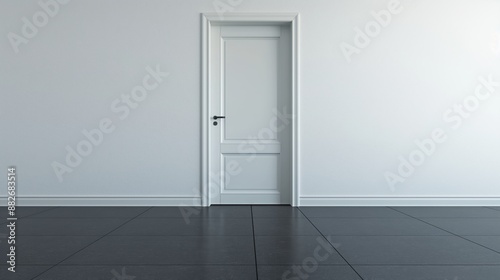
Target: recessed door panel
[(241, 171), (250, 86)]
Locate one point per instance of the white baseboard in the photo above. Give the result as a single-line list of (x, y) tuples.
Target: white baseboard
[(104, 201), (304, 201), (399, 201)]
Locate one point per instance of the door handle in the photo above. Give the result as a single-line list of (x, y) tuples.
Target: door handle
[(219, 117)]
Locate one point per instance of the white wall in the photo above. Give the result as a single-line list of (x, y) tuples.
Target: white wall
[(356, 118)]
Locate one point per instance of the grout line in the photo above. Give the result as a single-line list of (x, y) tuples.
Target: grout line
[(52, 266), (257, 218), (115, 217), (249, 265), (254, 245), (247, 235), (23, 217), (491, 208), (460, 236), (360, 277), (141, 235), (427, 265), (402, 218), (76, 218), (51, 208), (139, 265)]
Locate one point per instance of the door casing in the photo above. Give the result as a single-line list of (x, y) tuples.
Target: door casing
[(210, 19)]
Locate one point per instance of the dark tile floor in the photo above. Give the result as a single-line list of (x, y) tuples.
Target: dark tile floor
[(255, 242)]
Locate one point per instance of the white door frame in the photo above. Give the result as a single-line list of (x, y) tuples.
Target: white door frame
[(207, 20)]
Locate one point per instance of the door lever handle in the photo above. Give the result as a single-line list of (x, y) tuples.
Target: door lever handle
[(219, 117)]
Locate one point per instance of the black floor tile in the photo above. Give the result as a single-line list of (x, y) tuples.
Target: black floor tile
[(415, 250), (492, 242), (350, 212), (284, 226), (449, 212), (188, 213), (429, 272), (309, 270), (191, 272), (177, 226), (45, 250), (65, 226), (92, 212), (467, 226), (217, 243), (374, 226), (23, 211), (159, 250), (276, 212), (22, 272), (286, 250)]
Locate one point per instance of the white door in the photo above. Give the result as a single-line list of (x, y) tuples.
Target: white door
[(250, 115)]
